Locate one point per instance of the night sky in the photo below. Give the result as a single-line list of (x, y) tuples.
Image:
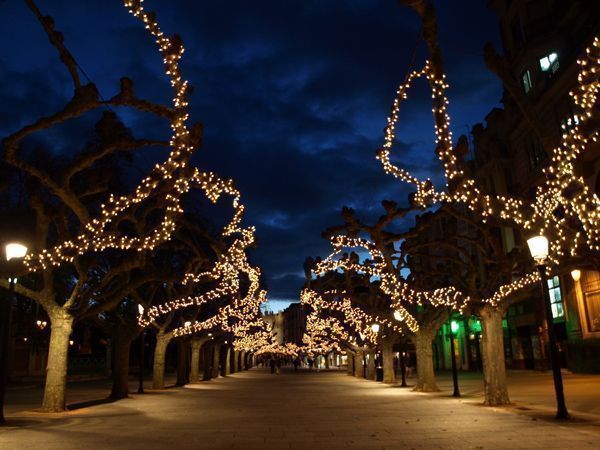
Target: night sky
[(293, 95)]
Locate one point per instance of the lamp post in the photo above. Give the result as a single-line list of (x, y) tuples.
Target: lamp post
[(453, 330), (142, 344), (402, 369), (538, 246), (13, 250)]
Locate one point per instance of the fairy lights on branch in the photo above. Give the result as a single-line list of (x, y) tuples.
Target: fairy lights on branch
[(565, 209)]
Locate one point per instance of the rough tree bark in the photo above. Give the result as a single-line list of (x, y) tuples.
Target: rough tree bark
[(160, 353), (359, 370), (216, 361), (236, 364), (196, 346), (227, 368), (371, 370), (350, 360), (389, 373), (121, 348), (58, 356), (207, 359), (423, 341), (492, 354)]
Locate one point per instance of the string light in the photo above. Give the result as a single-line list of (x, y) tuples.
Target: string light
[(565, 209)]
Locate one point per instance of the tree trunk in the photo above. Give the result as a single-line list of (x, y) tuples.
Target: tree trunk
[(216, 360), (371, 370), (182, 362), (350, 362), (160, 353), (121, 349), (359, 370), (492, 352), (425, 374), (236, 363), (207, 359), (195, 361), (389, 373), (227, 370), (56, 369)]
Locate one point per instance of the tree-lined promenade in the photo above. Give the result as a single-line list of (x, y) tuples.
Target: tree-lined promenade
[(152, 261)]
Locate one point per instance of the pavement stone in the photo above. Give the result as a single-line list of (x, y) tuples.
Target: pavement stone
[(307, 410)]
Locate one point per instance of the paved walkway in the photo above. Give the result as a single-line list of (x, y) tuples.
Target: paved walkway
[(304, 410)]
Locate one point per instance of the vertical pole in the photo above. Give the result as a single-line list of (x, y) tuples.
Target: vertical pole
[(402, 369), (6, 318), (561, 407), (141, 379), (456, 392)]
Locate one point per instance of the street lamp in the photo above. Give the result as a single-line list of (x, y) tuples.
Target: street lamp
[(15, 250), (397, 315), (576, 275), (12, 250), (538, 246), (375, 327), (453, 330), (142, 345)]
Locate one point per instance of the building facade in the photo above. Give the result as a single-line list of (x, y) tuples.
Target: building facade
[(542, 40)]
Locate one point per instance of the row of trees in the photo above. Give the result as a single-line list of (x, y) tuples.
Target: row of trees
[(453, 259), (121, 253)]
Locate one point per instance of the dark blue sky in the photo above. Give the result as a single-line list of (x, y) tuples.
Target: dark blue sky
[(293, 94)]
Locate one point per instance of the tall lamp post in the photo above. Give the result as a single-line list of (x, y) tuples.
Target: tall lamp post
[(142, 344), (13, 250), (398, 317), (538, 246), (453, 330)]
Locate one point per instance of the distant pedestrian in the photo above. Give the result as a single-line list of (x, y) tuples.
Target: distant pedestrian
[(272, 364), (296, 364), (278, 366)]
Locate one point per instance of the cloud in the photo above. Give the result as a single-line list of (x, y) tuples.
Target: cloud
[(293, 96)]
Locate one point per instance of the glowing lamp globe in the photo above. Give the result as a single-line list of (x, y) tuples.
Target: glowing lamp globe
[(187, 324), (397, 315), (375, 327), (15, 250), (538, 247), (454, 326), (576, 275), (141, 309)]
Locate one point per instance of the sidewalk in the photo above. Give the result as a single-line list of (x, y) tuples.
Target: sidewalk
[(303, 410), (27, 396), (533, 391)]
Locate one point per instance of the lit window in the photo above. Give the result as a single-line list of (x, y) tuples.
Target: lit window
[(558, 311), (526, 78), (549, 63)]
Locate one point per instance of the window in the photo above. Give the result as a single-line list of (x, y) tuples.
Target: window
[(592, 311), (526, 79), (570, 123), (556, 303), (549, 63), (537, 154)]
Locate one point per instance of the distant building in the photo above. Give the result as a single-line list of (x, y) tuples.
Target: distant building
[(276, 321), (294, 323)]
